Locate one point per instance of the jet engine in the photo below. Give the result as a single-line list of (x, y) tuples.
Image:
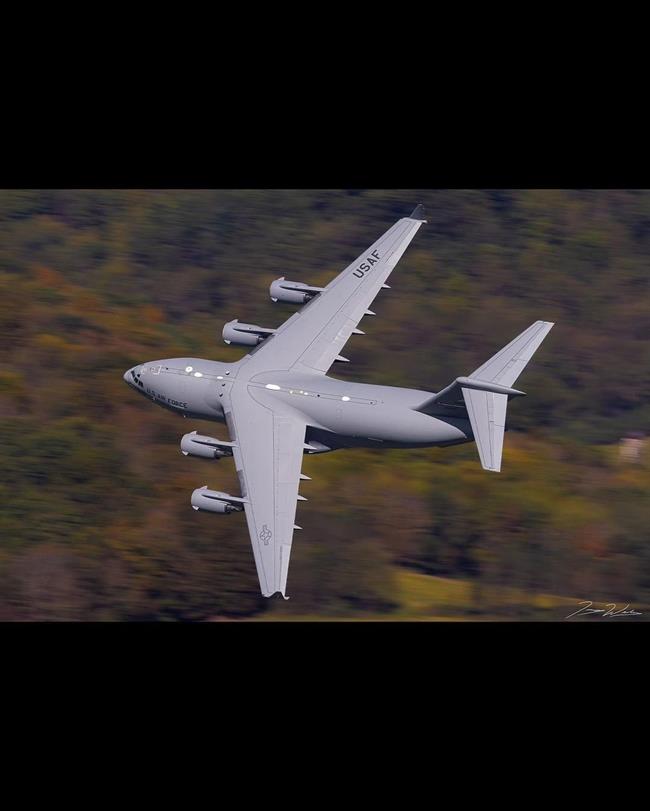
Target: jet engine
[(235, 332), (213, 501), (206, 447), (292, 292)]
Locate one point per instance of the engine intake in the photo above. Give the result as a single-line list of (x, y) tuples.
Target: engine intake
[(213, 501), (292, 292), (206, 447), (235, 332)]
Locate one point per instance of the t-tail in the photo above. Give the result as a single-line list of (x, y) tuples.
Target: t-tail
[(484, 395)]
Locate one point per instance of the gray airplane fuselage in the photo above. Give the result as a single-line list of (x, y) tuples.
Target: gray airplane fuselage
[(338, 413)]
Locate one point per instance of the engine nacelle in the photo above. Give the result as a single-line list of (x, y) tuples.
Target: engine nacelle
[(235, 332), (206, 447), (292, 292), (213, 501)]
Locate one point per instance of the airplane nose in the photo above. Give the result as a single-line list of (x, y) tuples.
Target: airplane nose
[(125, 376)]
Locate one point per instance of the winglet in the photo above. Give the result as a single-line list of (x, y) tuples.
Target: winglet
[(418, 213)]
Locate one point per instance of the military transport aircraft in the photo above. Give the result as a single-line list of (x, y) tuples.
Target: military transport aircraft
[(278, 402)]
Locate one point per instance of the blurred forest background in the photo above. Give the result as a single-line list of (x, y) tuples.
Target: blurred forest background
[(95, 522)]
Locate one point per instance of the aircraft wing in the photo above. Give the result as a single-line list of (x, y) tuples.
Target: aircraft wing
[(268, 450), (311, 339)]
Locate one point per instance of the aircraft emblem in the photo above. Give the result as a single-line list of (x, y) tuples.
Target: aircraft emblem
[(265, 535), (364, 267)]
